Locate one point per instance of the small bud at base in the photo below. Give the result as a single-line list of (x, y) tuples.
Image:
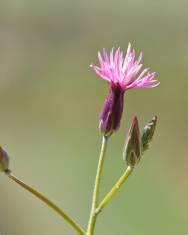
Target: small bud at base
[(4, 160)]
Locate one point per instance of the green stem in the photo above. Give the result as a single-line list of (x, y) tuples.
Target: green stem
[(93, 215), (47, 202), (115, 188)]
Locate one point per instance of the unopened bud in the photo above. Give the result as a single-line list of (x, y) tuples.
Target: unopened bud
[(4, 160), (132, 150), (148, 132)]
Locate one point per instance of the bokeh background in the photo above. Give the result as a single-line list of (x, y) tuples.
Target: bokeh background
[(50, 103)]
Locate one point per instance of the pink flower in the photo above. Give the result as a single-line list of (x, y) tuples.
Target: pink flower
[(122, 74)]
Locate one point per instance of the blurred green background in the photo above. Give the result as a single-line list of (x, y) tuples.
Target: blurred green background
[(50, 103)]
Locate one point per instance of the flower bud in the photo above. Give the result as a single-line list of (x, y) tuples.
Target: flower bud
[(132, 150), (148, 132), (112, 111), (4, 160)]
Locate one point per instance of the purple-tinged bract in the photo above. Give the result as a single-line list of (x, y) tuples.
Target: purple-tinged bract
[(112, 111), (122, 73)]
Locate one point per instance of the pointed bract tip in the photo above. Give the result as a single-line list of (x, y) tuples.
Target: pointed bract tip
[(134, 121)]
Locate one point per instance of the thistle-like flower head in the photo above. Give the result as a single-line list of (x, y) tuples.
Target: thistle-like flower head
[(124, 72)]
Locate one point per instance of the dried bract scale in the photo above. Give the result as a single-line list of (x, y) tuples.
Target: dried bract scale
[(148, 132)]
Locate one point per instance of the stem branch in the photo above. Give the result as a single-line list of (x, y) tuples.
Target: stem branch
[(47, 202), (115, 188), (93, 215)]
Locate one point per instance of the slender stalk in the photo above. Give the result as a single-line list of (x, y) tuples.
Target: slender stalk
[(115, 188), (47, 202), (93, 215)]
